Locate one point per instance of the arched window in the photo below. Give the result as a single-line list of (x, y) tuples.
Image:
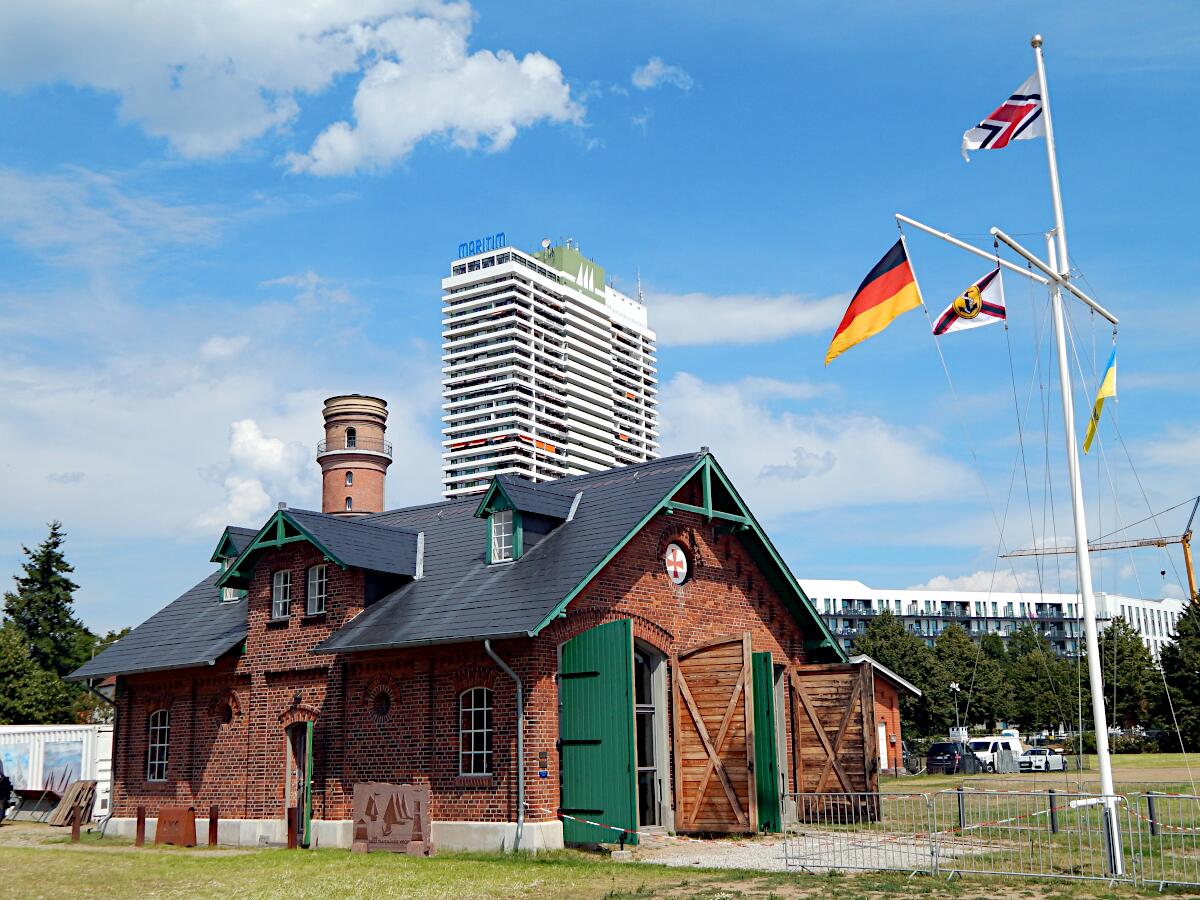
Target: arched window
[(158, 739), (349, 479), (351, 437), (349, 504), (475, 732)]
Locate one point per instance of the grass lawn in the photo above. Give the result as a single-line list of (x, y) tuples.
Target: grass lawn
[(43, 865)]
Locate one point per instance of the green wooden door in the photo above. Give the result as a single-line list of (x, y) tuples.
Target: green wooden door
[(595, 696), (766, 757)]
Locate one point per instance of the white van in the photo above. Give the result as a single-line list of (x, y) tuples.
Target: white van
[(987, 749)]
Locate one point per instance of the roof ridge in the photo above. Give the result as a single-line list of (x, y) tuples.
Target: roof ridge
[(356, 521)]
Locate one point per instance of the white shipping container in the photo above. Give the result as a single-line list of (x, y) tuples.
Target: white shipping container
[(38, 757)]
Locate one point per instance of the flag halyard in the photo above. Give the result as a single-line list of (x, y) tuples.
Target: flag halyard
[(889, 289)]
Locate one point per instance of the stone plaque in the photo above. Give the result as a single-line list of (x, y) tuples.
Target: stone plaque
[(393, 817), (176, 825)]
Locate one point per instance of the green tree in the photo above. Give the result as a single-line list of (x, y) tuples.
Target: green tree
[(1042, 687), (42, 607), (28, 693), (1132, 684), (982, 696), (888, 642), (1181, 670)]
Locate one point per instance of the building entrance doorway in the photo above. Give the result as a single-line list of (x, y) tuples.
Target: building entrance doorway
[(650, 728), (297, 795)]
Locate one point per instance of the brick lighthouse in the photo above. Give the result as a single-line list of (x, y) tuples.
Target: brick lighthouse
[(354, 457)]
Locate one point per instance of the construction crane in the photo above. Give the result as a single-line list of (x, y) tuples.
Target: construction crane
[(1184, 540)]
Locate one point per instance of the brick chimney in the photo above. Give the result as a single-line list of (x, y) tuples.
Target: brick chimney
[(354, 457)]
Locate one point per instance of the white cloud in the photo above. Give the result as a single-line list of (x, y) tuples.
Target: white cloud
[(847, 460), (425, 83), (209, 77), (315, 291), (693, 319), (1003, 580), (218, 347), (260, 467), (84, 218), (656, 72)]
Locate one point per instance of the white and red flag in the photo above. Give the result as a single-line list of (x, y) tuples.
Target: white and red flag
[(980, 304), (1019, 118)]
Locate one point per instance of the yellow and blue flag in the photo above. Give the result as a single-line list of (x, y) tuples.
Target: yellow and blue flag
[(1108, 388)]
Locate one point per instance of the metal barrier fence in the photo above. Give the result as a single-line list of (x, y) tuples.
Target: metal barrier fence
[(1046, 834)]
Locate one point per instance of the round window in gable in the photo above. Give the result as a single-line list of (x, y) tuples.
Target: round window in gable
[(381, 704), (675, 561)]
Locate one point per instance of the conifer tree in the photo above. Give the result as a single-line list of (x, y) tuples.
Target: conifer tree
[(1181, 670), (1132, 684), (42, 607), (28, 693)]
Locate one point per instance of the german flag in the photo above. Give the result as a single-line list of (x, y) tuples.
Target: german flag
[(888, 290)]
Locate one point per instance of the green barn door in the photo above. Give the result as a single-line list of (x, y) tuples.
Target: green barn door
[(766, 762), (595, 696)]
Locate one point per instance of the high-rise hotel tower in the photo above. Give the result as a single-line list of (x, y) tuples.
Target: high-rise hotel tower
[(548, 370)]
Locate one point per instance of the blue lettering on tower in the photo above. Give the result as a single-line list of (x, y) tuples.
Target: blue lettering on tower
[(482, 245)]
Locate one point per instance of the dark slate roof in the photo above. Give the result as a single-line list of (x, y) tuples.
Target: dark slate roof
[(361, 543), (240, 538), (461, 597), (552, 499), (195, 630)]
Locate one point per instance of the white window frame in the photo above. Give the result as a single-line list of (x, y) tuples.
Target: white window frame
[(158, 744), (349, 504), (501, 527), (318, 590), (349, 478), (475, 732), (281, 594)]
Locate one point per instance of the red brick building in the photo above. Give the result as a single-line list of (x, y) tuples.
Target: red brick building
[(624, 647), (888, 688)]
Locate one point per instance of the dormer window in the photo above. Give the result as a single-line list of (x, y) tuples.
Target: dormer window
[(501, 525)]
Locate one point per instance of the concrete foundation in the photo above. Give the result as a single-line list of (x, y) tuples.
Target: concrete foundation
[(536, 836)]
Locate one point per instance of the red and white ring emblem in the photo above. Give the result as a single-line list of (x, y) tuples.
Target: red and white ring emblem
[(676, 563)]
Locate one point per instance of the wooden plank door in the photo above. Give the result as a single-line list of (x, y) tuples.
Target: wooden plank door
[(595, 694), (834, 745), (713, 709)]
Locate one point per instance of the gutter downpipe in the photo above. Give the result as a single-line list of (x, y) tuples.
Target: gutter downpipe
[(487, 646)]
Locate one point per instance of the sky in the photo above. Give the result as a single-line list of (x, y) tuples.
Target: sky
[(214, 216)]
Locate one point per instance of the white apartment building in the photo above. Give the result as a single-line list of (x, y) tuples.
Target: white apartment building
[(848, 606), (548, 370)]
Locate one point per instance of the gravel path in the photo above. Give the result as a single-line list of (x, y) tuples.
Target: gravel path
[(765, 853)]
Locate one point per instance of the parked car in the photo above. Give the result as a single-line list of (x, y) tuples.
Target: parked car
[(951, 758), (1042, 759), (987, 749)]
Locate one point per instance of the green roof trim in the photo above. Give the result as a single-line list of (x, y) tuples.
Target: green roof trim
[(281, 529), (744, 525), (494, 499), (225, 548)]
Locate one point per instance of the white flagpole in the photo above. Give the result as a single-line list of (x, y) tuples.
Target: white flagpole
[(1060, 226), (1059, 262)]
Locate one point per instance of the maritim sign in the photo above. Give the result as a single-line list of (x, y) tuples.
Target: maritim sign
[(482, 245)]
